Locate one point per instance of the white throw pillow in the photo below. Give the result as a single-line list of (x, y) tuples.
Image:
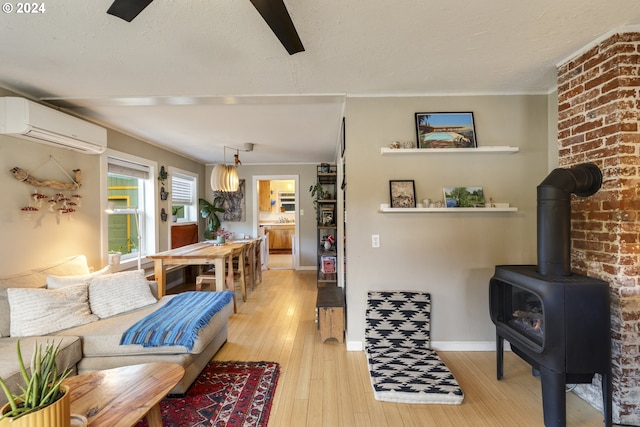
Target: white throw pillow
[(56, 282), (117, 293), (43, 311)]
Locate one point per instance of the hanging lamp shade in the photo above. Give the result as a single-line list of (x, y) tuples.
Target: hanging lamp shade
[(224, 178)]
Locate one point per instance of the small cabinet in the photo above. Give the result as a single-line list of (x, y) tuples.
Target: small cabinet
[(326, 218)]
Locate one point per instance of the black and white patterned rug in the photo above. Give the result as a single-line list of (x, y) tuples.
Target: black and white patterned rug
[(402, 365)]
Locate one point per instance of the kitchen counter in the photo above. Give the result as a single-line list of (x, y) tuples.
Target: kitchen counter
[(280, 235)]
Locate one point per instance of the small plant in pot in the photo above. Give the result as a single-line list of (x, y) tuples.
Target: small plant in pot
[(43, 401)]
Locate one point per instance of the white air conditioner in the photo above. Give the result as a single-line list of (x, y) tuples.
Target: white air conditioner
[(26, 119)]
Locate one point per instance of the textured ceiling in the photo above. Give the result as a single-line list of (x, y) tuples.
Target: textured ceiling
[(197, 75)]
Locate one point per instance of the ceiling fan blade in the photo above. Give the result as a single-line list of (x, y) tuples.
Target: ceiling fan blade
[(127, 9), (275, 14)]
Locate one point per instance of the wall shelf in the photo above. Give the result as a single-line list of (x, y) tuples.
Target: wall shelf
[(500, 207), (489, 149)]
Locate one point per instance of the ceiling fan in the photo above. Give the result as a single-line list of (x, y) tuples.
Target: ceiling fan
[(274, 12)]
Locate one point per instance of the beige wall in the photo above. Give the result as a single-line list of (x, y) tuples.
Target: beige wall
[(450, 255), (30, 244)]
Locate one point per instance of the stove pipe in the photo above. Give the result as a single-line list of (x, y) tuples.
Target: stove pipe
[(554, 214)]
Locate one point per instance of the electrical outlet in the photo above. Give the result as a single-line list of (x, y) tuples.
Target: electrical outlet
[(375, 240)]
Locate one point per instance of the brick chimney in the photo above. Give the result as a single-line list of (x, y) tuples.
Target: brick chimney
[(599, 113)]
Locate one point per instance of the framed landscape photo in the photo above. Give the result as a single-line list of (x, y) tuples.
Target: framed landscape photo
[(445, 130), (402, 193), (464, 197)]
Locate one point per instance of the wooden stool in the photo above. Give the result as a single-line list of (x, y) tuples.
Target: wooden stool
[(330, 306)]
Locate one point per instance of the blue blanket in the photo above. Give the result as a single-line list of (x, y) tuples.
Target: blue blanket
[(177, 322)]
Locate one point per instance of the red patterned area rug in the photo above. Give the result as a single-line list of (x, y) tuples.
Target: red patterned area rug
[(225, 394)]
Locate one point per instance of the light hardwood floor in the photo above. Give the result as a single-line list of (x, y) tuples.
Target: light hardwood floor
[(324, 385)]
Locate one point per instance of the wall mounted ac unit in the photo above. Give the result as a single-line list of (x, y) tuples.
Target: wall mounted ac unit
[(26, 119)]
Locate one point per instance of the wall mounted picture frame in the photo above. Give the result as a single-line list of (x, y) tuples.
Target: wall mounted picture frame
[(446, 130), (402, 193), (464, 197), (233, 203)]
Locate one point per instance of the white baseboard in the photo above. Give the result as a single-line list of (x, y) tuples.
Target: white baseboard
[(354, 346), (446, 346)]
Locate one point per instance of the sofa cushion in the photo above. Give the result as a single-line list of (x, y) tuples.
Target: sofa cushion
[(43, 311), (30, 279), (76, 264), (55, 282), (117, 293)]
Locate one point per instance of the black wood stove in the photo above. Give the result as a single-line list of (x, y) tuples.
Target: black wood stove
[(557, 321)]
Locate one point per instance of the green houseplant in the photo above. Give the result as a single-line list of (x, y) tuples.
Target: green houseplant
[(44, 400), (175, 211), (209, 211)]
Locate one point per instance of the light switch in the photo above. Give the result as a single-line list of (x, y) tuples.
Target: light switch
[(375, 240)]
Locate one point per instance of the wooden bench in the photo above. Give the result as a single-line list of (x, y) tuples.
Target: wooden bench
[(330, 306)]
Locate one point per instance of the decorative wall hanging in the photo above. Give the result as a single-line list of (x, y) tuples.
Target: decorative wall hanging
[(162, 175), (59, 203), (233, 203)]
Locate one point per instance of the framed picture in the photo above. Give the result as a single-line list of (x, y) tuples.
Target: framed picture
[(402, 193), (445, 130), (464, 197)]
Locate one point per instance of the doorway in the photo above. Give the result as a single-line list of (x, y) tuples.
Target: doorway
[(276, 213)]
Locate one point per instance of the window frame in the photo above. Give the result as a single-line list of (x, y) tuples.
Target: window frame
[(189, 176), (148, 220)]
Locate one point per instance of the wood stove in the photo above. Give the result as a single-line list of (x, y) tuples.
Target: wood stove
[(557, 321)]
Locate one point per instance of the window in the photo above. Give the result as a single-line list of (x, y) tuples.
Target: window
[(184, 200), (130, 192)]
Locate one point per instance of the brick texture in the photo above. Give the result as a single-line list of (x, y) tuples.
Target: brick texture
[(598, 122)]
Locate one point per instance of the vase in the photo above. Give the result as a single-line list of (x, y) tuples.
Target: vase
[(220, 240), (58, 414), (327, 245)]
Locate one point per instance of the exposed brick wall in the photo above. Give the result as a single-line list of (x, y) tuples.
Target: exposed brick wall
[(598, 122)]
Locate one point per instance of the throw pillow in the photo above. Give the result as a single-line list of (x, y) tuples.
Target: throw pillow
[(56, 282), (43, 311), (117, 293)]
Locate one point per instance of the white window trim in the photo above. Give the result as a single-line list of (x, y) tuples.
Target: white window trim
[(151, 204)]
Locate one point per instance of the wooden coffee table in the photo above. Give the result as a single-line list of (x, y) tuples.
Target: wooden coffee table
[(123, 396)]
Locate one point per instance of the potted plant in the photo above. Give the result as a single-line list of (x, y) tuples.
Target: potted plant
[(175, 211), (209, 211), (318, 193), (221, 235), (114, 257), (44, 401)]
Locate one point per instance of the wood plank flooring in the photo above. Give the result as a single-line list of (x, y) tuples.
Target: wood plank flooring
[(324, 385)]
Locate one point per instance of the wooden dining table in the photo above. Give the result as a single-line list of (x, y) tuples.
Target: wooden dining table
[(203, 253)]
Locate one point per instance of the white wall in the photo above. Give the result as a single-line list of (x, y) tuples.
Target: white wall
[(450, 255)]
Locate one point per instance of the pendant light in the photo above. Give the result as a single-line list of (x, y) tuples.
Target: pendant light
[(225, 177)]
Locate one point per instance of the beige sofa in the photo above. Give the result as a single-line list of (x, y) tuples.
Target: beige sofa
[(95, 344)]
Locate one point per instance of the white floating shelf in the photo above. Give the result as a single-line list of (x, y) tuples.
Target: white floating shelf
[(490, 149), (499, 207)]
